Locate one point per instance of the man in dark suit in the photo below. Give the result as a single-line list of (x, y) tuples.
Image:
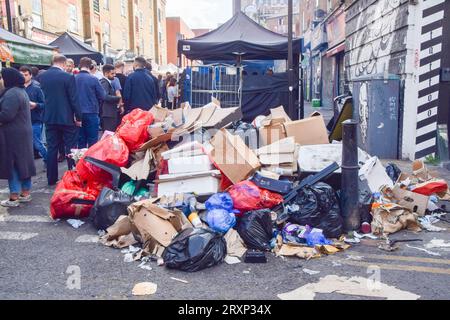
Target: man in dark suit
[(140, 89), (110, 107), (62, 114)]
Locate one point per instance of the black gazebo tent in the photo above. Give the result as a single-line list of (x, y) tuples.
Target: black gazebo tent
[(76, 49), (239, 39)]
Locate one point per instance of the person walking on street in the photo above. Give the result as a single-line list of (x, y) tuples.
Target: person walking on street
[(70, 66), (62, 114), (155, 80), (16, 138), (90, 96), (140, 89), (172, 93), (37, 105), (110, 107), (120, 74)]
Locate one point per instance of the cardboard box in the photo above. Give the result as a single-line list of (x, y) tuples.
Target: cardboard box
[(271, 130), (154, 226), (199, 163), (279, 113), (413, 201), (308, 131), (286, 145), (277, 158), (200, 183), (233, 157), (222, 117)]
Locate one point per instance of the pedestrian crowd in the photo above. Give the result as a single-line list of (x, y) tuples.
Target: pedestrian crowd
[(71, 105)]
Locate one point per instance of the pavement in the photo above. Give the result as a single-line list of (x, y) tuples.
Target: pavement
[(44, 259)]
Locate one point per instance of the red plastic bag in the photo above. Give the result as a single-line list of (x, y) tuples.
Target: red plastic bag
[(248, 197), (69, 188), (113, 150), (133, 129), (430, 187)]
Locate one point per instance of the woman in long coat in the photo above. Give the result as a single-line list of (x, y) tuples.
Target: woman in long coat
[(16, 138)]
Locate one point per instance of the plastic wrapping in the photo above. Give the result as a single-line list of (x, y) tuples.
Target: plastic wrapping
[(220, 201), (133, 129), (255, 228), (108, 207), (220, 220), (195, 249), (112, 150), (69, 188), (317, 206), (247, 197)]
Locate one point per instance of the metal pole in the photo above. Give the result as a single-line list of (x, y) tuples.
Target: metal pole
[(350, 179), (8, 15), (292, 112)]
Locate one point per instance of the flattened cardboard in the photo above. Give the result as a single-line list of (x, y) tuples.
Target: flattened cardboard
[(159, 113), (222, 117), (280, 113), (233, 157), (286, 145), (413, 201), (308, 131), (277, 158), (185, 150), (140, 170)]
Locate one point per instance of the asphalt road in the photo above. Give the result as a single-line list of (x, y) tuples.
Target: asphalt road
[(37, 254)]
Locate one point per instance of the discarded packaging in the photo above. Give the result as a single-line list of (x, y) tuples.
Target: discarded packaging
[(233, 157), (144, 289), (75, 223), (235, 244), (310, 272)]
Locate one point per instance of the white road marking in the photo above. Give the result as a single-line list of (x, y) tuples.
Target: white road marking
[(24, 218), (6, 235), (87, 238)]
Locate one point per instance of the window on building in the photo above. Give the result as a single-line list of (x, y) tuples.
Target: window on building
[(73, 18), (123, 8), (160, 37), (159, 15), (107, 33), (136, 22), (96, 4), (141, 19), (124, 39), (106, 4), (37, 13)]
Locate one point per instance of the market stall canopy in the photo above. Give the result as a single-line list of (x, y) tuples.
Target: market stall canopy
[(20, 50), (76, 49), (238, 36)]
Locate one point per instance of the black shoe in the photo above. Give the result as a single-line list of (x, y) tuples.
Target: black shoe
[(61, 158)]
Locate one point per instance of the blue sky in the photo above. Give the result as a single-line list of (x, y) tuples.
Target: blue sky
[(200, 13)]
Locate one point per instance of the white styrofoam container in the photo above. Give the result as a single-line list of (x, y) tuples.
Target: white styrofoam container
[(201, 183), (190, 164)]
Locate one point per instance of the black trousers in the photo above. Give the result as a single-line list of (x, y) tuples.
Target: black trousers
[(55, 134)]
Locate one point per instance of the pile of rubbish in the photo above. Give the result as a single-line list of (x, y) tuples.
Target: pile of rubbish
[(191, 188)]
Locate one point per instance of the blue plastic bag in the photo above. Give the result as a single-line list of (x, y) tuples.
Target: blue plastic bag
[(316, 238), (220, 220), (220, 201)]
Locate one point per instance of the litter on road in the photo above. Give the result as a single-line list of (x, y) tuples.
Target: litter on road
[(188, 198), (144, 289)]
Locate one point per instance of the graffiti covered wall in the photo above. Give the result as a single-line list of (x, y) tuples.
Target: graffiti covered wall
[(376, 32)]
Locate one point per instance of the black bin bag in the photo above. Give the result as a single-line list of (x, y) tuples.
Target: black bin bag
[(255, 229), (195, 249), (318, 207), (108, 207)]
